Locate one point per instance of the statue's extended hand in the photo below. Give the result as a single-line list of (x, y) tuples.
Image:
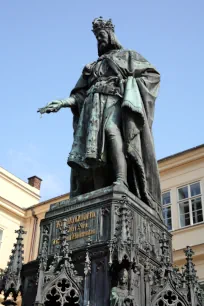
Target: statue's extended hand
[(52, 107)]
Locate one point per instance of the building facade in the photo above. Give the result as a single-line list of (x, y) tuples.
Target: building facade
[(20, 206), (182, 183), (15, 197)]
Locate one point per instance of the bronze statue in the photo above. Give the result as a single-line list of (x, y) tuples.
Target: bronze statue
[(113, 108), (119, 295)]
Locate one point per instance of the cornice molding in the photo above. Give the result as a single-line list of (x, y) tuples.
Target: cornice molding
[(20, 185), (188, 228), (12, 208), (62, 197), (180, 160)]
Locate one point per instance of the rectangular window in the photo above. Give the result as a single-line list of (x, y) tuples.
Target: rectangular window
[(166, 203), (190, 204)]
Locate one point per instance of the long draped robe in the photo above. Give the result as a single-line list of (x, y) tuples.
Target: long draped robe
[(125, 77)]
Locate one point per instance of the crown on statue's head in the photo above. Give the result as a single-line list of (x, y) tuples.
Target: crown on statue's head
[(101, 24)]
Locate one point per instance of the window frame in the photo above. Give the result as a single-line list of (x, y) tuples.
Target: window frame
[(166, 206), (189, 199)]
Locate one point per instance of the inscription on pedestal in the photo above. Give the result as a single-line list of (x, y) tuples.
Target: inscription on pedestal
[(78, 226)]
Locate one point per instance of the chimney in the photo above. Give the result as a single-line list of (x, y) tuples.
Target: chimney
[(34, 181)]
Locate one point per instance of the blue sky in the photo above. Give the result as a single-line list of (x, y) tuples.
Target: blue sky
[(44, 46)]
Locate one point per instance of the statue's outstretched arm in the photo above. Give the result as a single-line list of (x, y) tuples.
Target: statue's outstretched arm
[(56, 105)]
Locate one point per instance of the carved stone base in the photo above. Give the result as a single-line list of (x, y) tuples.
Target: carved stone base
[(123, 232)]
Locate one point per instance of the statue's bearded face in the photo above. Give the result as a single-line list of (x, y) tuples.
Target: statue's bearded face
[(103, 42)]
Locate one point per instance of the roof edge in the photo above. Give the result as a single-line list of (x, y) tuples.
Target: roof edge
[(180, 153), (48, 201)]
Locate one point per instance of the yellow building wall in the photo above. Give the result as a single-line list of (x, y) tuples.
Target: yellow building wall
[(9, 222), (176, 172), (19, 205), (15, 196), (17, 191)]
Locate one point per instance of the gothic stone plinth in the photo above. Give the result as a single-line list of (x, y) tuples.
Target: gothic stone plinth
[(122, 231)]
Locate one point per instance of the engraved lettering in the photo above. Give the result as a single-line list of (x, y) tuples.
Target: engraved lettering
[(77, 226)]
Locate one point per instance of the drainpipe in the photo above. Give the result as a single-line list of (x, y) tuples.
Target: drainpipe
[(35, 222)]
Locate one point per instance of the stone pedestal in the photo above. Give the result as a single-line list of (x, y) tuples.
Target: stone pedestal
[(122, 231)]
